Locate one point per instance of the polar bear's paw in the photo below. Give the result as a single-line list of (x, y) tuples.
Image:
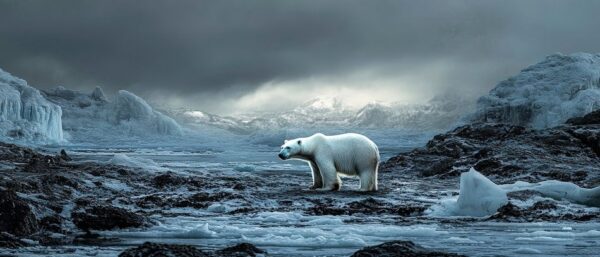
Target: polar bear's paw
[(333, 187)]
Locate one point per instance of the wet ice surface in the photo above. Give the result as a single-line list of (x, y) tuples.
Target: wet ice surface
[(275, 210)]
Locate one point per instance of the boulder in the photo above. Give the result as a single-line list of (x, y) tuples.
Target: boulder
[(16, 216), (400, 249), (155, 250), (107, 218)]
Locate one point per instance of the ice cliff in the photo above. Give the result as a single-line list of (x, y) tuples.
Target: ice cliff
[(545, 94), (25, 114)]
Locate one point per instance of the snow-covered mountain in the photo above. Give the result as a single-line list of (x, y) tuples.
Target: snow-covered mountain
[(547, 93), (323, 112), (25, 114)]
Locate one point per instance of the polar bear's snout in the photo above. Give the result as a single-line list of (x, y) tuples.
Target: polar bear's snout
[(284, 154)]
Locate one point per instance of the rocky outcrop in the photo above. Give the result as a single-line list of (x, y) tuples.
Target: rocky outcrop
[(241, 250), (153, 249), (568, 153), (400, 249), (16, 216), (107, 218)]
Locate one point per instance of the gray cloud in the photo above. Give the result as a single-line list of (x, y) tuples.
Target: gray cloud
[(209, 53)]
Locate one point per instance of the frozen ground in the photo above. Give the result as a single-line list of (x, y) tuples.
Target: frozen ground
[(265, 201)]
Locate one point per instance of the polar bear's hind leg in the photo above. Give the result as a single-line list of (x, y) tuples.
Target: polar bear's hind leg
[(368, 178)]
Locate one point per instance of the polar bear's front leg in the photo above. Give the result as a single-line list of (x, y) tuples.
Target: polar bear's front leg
[(331, 181), (316, 175)]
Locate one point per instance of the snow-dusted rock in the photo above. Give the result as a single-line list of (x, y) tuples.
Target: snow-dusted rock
[(545, 94), (25, 114)]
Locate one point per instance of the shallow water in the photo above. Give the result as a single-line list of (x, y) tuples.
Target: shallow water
[(298, 234)]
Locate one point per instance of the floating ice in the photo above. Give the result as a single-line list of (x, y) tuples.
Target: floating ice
[(478, 197), (559, 190), (25, 114)]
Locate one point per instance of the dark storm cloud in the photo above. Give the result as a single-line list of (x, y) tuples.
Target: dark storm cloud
[(225, 49)]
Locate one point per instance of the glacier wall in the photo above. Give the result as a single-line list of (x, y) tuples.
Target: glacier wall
[(25, 114), (545, 94)]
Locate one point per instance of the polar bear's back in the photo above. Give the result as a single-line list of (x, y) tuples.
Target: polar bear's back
[(353, 152)]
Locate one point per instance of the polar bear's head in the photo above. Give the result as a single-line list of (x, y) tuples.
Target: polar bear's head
[(291, 149)]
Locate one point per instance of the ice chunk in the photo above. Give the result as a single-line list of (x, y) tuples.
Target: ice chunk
[(132, 109), (135, 162), (545, 94), (478, 197), (560, 190), (25, 113)]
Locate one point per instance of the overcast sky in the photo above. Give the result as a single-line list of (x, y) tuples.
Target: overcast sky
[(235, 56)]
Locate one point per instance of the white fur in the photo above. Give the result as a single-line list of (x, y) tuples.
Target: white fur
[(331, 156)]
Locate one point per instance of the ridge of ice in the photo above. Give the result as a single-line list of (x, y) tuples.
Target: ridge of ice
[(90, 116), (559, 190), (545, 94)]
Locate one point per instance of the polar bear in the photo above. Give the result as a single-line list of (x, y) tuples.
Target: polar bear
[(331, 156)]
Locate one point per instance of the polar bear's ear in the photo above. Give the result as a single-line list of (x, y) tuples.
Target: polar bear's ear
[(299, 142), (285, 141)]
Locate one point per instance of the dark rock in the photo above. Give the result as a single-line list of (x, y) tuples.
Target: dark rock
[(507, 211), (107, 218), (240, 250), (507, 152), (400, 249), (486, 165), (64, 156), (52, 223), (238, 186), (41, 163), (163, 250), (168, 179), (10, 241), (16, 216), (590, 118)]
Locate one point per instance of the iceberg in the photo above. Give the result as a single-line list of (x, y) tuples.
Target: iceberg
[(26, 114), (91, 116), (545, 94), (478, 197)]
